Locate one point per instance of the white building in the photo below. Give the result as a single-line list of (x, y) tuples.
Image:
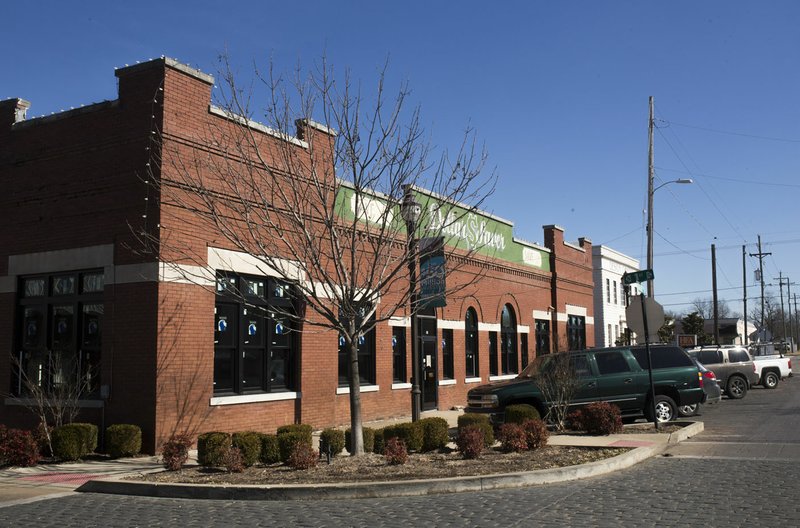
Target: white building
[(608, 266)]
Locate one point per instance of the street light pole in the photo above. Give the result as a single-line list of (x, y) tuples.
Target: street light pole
[(411, 210)]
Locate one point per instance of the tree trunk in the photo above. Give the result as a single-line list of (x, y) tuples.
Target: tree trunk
[(356, 430)]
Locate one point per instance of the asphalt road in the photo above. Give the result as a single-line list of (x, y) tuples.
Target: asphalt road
[(742, 471)]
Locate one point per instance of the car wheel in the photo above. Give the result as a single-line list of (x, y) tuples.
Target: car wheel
[(688, 410), (665, 409), (770, 380), (737, 387)]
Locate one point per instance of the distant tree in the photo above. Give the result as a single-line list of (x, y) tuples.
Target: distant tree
[(694, 323), (705, 307), (666, 334)]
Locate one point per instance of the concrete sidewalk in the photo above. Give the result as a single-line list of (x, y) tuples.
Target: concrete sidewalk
[(20, 485)]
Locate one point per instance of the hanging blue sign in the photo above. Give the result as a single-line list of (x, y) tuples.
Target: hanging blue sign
[(251, 329), (341, 341), (279, 328), (394, 341), (361, 340), (222, 325)]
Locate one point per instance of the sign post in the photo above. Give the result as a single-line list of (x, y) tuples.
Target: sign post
[(630, 278)]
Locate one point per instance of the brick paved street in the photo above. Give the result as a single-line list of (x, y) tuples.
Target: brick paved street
[(659, 492)]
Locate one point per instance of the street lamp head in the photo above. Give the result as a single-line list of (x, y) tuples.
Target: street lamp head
[(410, 209), (684, 180)]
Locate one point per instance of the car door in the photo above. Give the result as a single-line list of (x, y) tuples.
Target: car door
[(586, 387), (712, 359), (618, 382)]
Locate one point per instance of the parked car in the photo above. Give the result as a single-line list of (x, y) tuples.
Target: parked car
[(710, 387), (732, 365), (617, 375), (771, 365)]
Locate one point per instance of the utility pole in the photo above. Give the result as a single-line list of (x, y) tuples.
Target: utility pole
[(714, 290), (744, 290), (781, 278), (789, 304), (795, 311), (761, 256), (650, 191)]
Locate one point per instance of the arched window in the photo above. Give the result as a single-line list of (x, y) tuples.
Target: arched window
[(471, 343), (508, 341)]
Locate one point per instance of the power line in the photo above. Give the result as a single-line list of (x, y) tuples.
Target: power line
[(740, 134), (737, 180)]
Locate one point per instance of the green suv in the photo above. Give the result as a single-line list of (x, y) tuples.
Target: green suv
[(616, 375)]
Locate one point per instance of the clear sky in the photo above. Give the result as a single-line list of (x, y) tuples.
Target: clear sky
[(558, 91)]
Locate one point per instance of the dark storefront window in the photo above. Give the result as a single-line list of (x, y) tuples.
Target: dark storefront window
[(59, 332), (471, 343), (254, 339), (576, 332), (493, 353), (366, 358), (447, 354), (523, 345), (399, 354), (542, 336), (508, 341)]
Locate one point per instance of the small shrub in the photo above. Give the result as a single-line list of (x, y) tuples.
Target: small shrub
[(512, 438), (601, 418), (249, 445), (175, 451), (520, 412), (410, 433), (434, 433), (288, 441), (302, 456), (482, 421), (123, 440), (536, 433), (42, 435), (369, 439), (378, 442), (69, 442), (303, 429), (470, 441), (395, 451), (18, 448), (212, 447), (574, 420), (331, 440), (270, 451), (89, 435), (233, 461)]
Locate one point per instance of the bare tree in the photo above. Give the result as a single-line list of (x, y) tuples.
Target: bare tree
[(318, 203), (558, 381), (52, 390)]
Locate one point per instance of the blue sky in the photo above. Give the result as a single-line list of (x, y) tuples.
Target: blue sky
[(558, 92)]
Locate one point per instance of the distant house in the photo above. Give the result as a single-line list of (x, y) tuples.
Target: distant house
[(731, 330), (608, 266)]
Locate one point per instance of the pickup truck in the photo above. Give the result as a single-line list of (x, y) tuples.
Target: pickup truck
[(771, 365)]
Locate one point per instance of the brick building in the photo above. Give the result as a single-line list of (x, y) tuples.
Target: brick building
[(78, 298)]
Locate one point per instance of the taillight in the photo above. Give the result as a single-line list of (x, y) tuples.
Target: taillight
[(790, 364), (711, 376), (700, 378)]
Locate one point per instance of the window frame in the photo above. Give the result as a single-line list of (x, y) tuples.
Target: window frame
[(471, 344)]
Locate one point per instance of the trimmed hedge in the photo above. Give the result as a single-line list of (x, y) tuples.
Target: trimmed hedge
[(520, 413), (303, 429), (212, 448), (123, 440), (249, 445), (89, 433), (270, 452), (369, 439), (482, 421), (331, 439), (288, 440), (434, 433), (411, 433), (378, 442), (69, 442)]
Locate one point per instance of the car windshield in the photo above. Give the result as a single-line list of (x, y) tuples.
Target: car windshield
[(534, 367)]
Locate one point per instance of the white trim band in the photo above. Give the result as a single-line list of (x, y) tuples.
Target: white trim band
[(253, 398), (364, 388)]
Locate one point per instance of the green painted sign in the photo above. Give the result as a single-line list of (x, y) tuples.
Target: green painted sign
[(637, 276), (461, 227)]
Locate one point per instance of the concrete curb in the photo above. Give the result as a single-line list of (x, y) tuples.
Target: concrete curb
[(372, 489)]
